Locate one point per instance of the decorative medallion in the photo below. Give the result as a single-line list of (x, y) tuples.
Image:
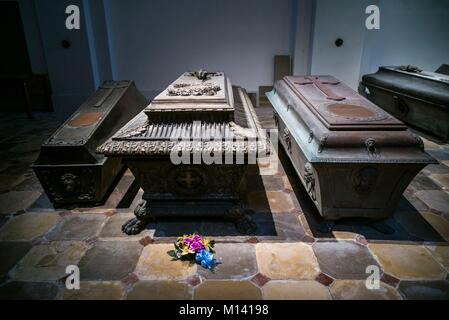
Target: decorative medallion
[(365, 179), (352, 111), (85, 119), (322, 143), (193, 89), (276, 118), (371, 147), (70, 183), (288, 139), (310, 180)]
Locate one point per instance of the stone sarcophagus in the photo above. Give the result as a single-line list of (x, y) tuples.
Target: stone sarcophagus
[(417, 97), (354, 159), (68, 168), (190, 149)]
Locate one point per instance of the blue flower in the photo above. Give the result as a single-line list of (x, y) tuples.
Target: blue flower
[(205, 258)]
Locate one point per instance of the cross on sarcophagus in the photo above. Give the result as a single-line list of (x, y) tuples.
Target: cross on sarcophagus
[(320, 84), (189, 179)]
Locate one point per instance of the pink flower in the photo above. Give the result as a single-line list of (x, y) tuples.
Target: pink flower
[(196, 246)]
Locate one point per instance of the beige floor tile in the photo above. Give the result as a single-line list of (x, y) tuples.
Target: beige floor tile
[(227, 290), (407, 262), (295, 290), (441, 179), (160, 290), (156, 264), (48, 262), (287, 261), (29, 226), (95, 291), (275, 201), (14, 201), (357, 290), (441, 254)]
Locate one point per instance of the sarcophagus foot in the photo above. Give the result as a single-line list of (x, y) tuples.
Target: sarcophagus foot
[(190, 149), (417, 97), (354, 159), (68, 168)]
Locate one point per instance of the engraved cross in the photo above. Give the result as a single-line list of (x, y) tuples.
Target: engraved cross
[(320, 84), (189, 179)]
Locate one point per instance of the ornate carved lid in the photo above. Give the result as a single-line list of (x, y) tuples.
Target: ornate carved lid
[(338, 106), (195, 91)]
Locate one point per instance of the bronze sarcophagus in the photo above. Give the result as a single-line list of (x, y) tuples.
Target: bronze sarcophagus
[(190, 149), (354, 159), (417, 97), (68, 168)]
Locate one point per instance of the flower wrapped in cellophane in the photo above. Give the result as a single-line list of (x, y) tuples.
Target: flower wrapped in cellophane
[(195, 248)]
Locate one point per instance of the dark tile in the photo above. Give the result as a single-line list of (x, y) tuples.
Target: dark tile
[(28, 291), (324, 279), (11, 253), (110, 260), (288, 226), (422, 182), (390, 280), (439, 154), (343, 259), (435, 199), (417, 226), (435, 169), (425, 290), (43, 202), (193, 280), (252, 240), (260, 280), (78, 227), (130, 279), (273, 183), (3, 220)]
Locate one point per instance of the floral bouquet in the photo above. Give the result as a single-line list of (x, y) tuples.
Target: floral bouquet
[(194, 247)]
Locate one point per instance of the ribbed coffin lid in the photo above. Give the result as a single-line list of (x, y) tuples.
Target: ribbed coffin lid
[(339, 107), (189, 93)]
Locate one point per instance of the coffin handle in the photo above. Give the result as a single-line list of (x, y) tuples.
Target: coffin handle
[(401, 106)]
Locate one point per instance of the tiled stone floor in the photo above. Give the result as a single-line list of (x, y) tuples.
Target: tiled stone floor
[(290, 256)]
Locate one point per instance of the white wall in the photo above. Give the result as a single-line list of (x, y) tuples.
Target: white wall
[(152, 42), (343, 19), (70, 70), (303, 37), (412, 32)]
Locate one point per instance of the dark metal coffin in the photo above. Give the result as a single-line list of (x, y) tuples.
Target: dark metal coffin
[(354, 159), (68, 168), (419, 98), (198, 114)]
